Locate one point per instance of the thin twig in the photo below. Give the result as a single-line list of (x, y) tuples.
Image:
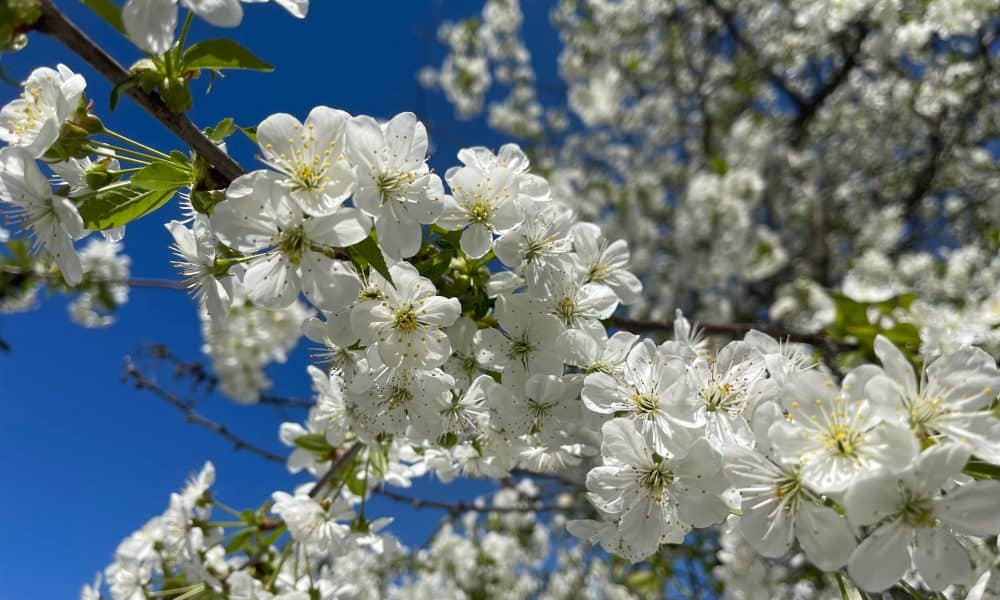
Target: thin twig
[(335, 468), (144, 383), (56, 24), (457, 508), (641, 325), (202, 376)]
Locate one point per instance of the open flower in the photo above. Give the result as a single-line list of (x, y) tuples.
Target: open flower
[(34, 120), (951, 401), (483, 203), (395, 186), (916, 515), (652, 392), (654, 498), (309, 158), (293, 250), (837, 435), (53, 219), (778, 508), (406, 323)]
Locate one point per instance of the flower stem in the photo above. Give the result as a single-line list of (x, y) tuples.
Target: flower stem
[(140, 145)]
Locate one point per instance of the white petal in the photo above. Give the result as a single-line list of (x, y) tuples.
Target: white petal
[(940, 559), (882, 559), (151, 23)]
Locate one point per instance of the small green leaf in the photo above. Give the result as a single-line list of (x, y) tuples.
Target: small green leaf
[(109, 13), (314, 442), (982, 470), (239, 541), (250, 132), (120, 88), (366, 253), (120, 205), (162, 176), (221, 54), (380, 463), (223, 129), (356, 484), (437, 265), (204, 201)]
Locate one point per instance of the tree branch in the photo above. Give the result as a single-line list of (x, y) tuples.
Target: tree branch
[(729, 20), (335, 468), (57, 25), (457, 508), (851, 53), (201, 375), (144, 383)]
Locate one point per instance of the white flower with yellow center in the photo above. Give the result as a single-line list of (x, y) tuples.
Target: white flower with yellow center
[(310, 523), (394, 184), (654, 498), (916, 517), (34, 120), (53, 219), (407, 322), (652, 391), (310, 157), (951, 401), (837, 435), (287, 250), (727, 386), (778, 508), (605, 262), (483, 203)]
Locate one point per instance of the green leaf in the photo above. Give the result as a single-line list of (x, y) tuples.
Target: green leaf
[(221, 54), (239, 541), (379, 462), (314, 442), (982, 470), (250, 132), (356, 484), (162, 176), (120, 88), (204, 201), (366, 253), (120, 205), (109, 13), (437, 265), (223, 129)]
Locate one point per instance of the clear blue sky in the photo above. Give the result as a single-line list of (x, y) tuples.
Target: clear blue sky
[(86, 458)]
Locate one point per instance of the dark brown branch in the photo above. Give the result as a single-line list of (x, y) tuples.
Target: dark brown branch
[(56, 24), (144, 383), (457, 508), (202, 376), (849, 59), (734, 329), (729, 20)]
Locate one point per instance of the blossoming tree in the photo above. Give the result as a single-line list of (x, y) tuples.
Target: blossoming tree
[(722, 320)]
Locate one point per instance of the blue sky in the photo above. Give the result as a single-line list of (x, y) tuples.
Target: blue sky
[(86, 458)]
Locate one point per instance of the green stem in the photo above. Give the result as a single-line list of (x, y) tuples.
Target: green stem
[(277, 568), (364, 494), (184, 29), (119, 150), (127, 140), (226, 524), (227, 508), (840, 584)]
